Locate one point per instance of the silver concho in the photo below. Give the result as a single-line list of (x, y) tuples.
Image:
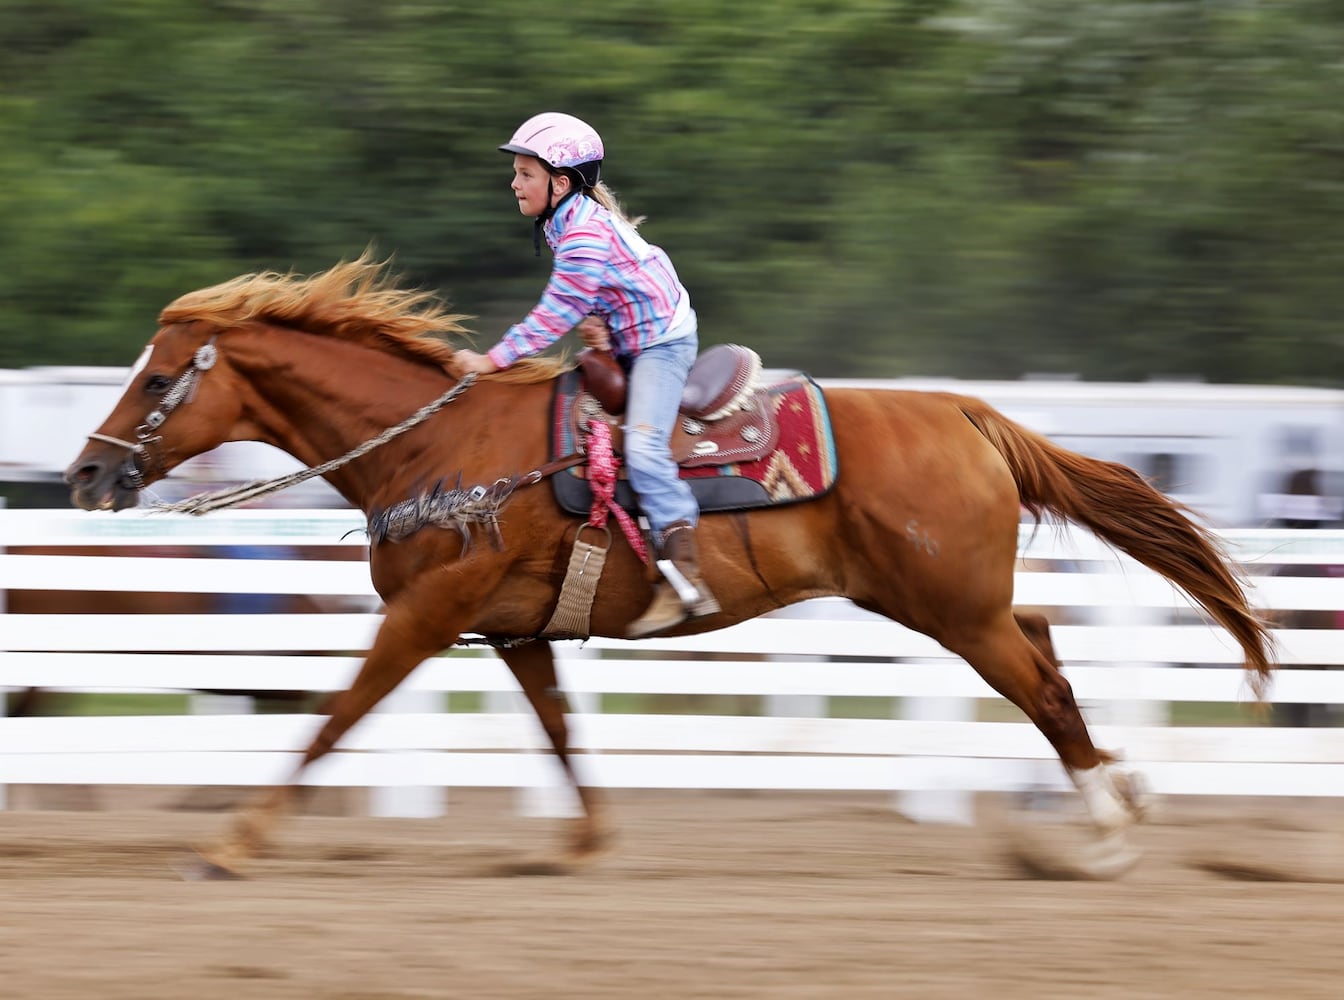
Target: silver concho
[(692, 426)]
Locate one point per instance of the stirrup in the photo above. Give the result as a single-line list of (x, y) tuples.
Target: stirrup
[(696, 601), (706, 606)]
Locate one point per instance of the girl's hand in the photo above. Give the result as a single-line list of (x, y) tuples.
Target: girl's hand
[(595, 332), (471, 362)]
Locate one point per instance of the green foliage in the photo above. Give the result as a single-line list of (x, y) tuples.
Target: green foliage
[(858, 187)]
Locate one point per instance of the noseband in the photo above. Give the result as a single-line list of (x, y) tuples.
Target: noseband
[(139, 457)]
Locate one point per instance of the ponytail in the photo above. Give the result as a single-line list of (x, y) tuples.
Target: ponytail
[(606, 197)]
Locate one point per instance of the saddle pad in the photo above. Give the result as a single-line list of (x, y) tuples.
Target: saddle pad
[(801, 465)]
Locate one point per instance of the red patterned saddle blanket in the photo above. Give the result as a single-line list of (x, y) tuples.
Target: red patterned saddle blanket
[(777, 448)]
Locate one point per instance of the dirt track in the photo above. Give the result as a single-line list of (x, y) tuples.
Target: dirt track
[(713, 896)]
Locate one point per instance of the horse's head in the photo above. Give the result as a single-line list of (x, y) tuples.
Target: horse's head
[(313, 365), (178, 402)]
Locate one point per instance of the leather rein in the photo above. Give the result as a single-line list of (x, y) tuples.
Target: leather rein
[(140, 459)]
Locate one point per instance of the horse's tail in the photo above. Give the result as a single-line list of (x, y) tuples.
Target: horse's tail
[(1119, 506)]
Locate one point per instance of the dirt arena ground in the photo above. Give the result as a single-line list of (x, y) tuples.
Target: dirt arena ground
[(705, 896)]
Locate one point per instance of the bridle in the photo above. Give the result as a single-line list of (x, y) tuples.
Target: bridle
[(139, 458)]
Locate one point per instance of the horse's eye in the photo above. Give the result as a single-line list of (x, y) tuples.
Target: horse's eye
[(157, 384)]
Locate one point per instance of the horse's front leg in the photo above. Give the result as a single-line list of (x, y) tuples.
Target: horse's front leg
[(403, 642), (533, 664)]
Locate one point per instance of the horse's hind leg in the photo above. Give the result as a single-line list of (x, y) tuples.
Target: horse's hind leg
[(1036, 627), (533, 664), (1019, 663)]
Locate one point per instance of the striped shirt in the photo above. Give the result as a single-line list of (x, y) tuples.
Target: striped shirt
[(601, 265)]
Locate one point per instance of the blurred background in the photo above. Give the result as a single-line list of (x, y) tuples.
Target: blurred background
[(980, 190)]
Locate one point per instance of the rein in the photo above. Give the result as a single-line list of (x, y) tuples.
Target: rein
[(204, 503), (456, 507)]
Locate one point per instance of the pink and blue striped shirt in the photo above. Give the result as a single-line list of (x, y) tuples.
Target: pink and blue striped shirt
[(602, 265)]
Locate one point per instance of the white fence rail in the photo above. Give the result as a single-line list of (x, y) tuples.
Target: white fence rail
[(1130, 643)]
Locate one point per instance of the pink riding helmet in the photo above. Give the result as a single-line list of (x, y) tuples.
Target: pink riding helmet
[(561, 141)]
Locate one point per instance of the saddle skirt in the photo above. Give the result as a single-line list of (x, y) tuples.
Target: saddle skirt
[(772, 446)]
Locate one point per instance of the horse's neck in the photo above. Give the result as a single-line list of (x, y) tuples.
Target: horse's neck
[(321, 406)]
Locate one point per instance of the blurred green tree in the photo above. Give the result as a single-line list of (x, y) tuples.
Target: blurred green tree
[(982, 188)]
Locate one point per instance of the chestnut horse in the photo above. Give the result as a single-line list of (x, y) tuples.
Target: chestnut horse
[(921, 525)]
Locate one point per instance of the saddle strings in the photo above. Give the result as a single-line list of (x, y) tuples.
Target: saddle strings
[(204, 503)]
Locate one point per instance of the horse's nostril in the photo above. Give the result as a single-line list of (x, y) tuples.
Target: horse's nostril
[(83, 474)]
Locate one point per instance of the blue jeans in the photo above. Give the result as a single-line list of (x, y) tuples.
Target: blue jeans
[(657, 379)]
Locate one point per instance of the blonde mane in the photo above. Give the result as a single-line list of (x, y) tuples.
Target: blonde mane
[(357, 301)]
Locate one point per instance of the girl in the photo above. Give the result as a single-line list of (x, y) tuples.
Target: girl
[(603, 267)]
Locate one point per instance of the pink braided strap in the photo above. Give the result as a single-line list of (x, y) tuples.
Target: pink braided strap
[(602, 466)]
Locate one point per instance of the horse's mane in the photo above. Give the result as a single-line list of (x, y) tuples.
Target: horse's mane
[(357, 301)]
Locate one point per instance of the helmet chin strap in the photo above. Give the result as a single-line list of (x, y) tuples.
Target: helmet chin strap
[(542, 219)]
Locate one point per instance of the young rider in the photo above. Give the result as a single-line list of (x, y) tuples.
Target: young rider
[(604, 267)]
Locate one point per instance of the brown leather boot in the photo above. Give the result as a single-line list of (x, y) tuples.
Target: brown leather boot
[(681, 593), (664, 611)]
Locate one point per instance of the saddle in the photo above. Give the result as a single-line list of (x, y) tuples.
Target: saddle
[(718, 380), (718, 420), (740, 444)]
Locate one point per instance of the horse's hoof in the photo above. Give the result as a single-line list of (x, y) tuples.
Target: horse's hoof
[(1103, 860), (197, 868), (1134, 792), (589, 846), (1109, 858)]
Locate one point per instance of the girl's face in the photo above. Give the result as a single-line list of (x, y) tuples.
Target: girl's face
[(529, 185)]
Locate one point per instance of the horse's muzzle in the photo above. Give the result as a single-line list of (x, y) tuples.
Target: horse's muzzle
[(99, 485)]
